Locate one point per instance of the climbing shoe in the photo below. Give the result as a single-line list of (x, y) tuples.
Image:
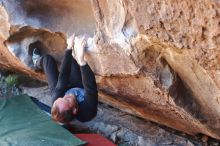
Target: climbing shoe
[(36, 55)]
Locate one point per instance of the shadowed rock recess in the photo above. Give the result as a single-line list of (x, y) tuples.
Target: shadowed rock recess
[(159, 60)]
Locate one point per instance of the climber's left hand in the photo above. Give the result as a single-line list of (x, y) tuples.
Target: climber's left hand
[(70, 42), (78, 51)]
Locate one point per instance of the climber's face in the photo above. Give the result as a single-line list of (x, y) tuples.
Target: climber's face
[(68, 102), (64, 109)]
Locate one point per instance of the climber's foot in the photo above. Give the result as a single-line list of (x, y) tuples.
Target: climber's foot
[(36, 55)]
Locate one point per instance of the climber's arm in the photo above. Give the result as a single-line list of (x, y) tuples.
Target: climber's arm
[(63, 78)]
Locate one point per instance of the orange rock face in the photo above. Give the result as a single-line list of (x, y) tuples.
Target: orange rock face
[(157, 60)]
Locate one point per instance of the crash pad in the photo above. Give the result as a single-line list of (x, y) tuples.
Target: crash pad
[(95, 140), (22, 123)]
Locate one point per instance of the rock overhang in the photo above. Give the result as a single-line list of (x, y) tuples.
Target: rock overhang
[(128, 62), (67, 16)]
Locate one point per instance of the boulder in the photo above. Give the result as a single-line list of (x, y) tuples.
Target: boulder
[(158, 60)]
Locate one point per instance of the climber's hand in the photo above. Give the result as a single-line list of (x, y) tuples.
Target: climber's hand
[(78, 51), (70, 42)]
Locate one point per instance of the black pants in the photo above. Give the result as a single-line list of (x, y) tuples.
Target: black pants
[(72, 75), (49, 66)]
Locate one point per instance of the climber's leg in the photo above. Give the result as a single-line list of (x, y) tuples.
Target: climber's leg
[(49, 66)]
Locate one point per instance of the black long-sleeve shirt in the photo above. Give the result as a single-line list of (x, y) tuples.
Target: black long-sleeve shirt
[(88, 107)]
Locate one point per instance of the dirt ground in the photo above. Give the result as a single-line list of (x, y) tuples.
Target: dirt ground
[(124, 129), (119, 127)]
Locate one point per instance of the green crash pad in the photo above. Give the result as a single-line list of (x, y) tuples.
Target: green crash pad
[(22, 123)]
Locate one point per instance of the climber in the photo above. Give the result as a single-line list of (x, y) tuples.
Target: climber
[(74, 91)]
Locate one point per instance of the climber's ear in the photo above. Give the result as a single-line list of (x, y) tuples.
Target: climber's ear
[(5, 43)]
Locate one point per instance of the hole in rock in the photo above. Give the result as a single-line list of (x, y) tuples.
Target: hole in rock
[(178, 90), (61, 16)]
